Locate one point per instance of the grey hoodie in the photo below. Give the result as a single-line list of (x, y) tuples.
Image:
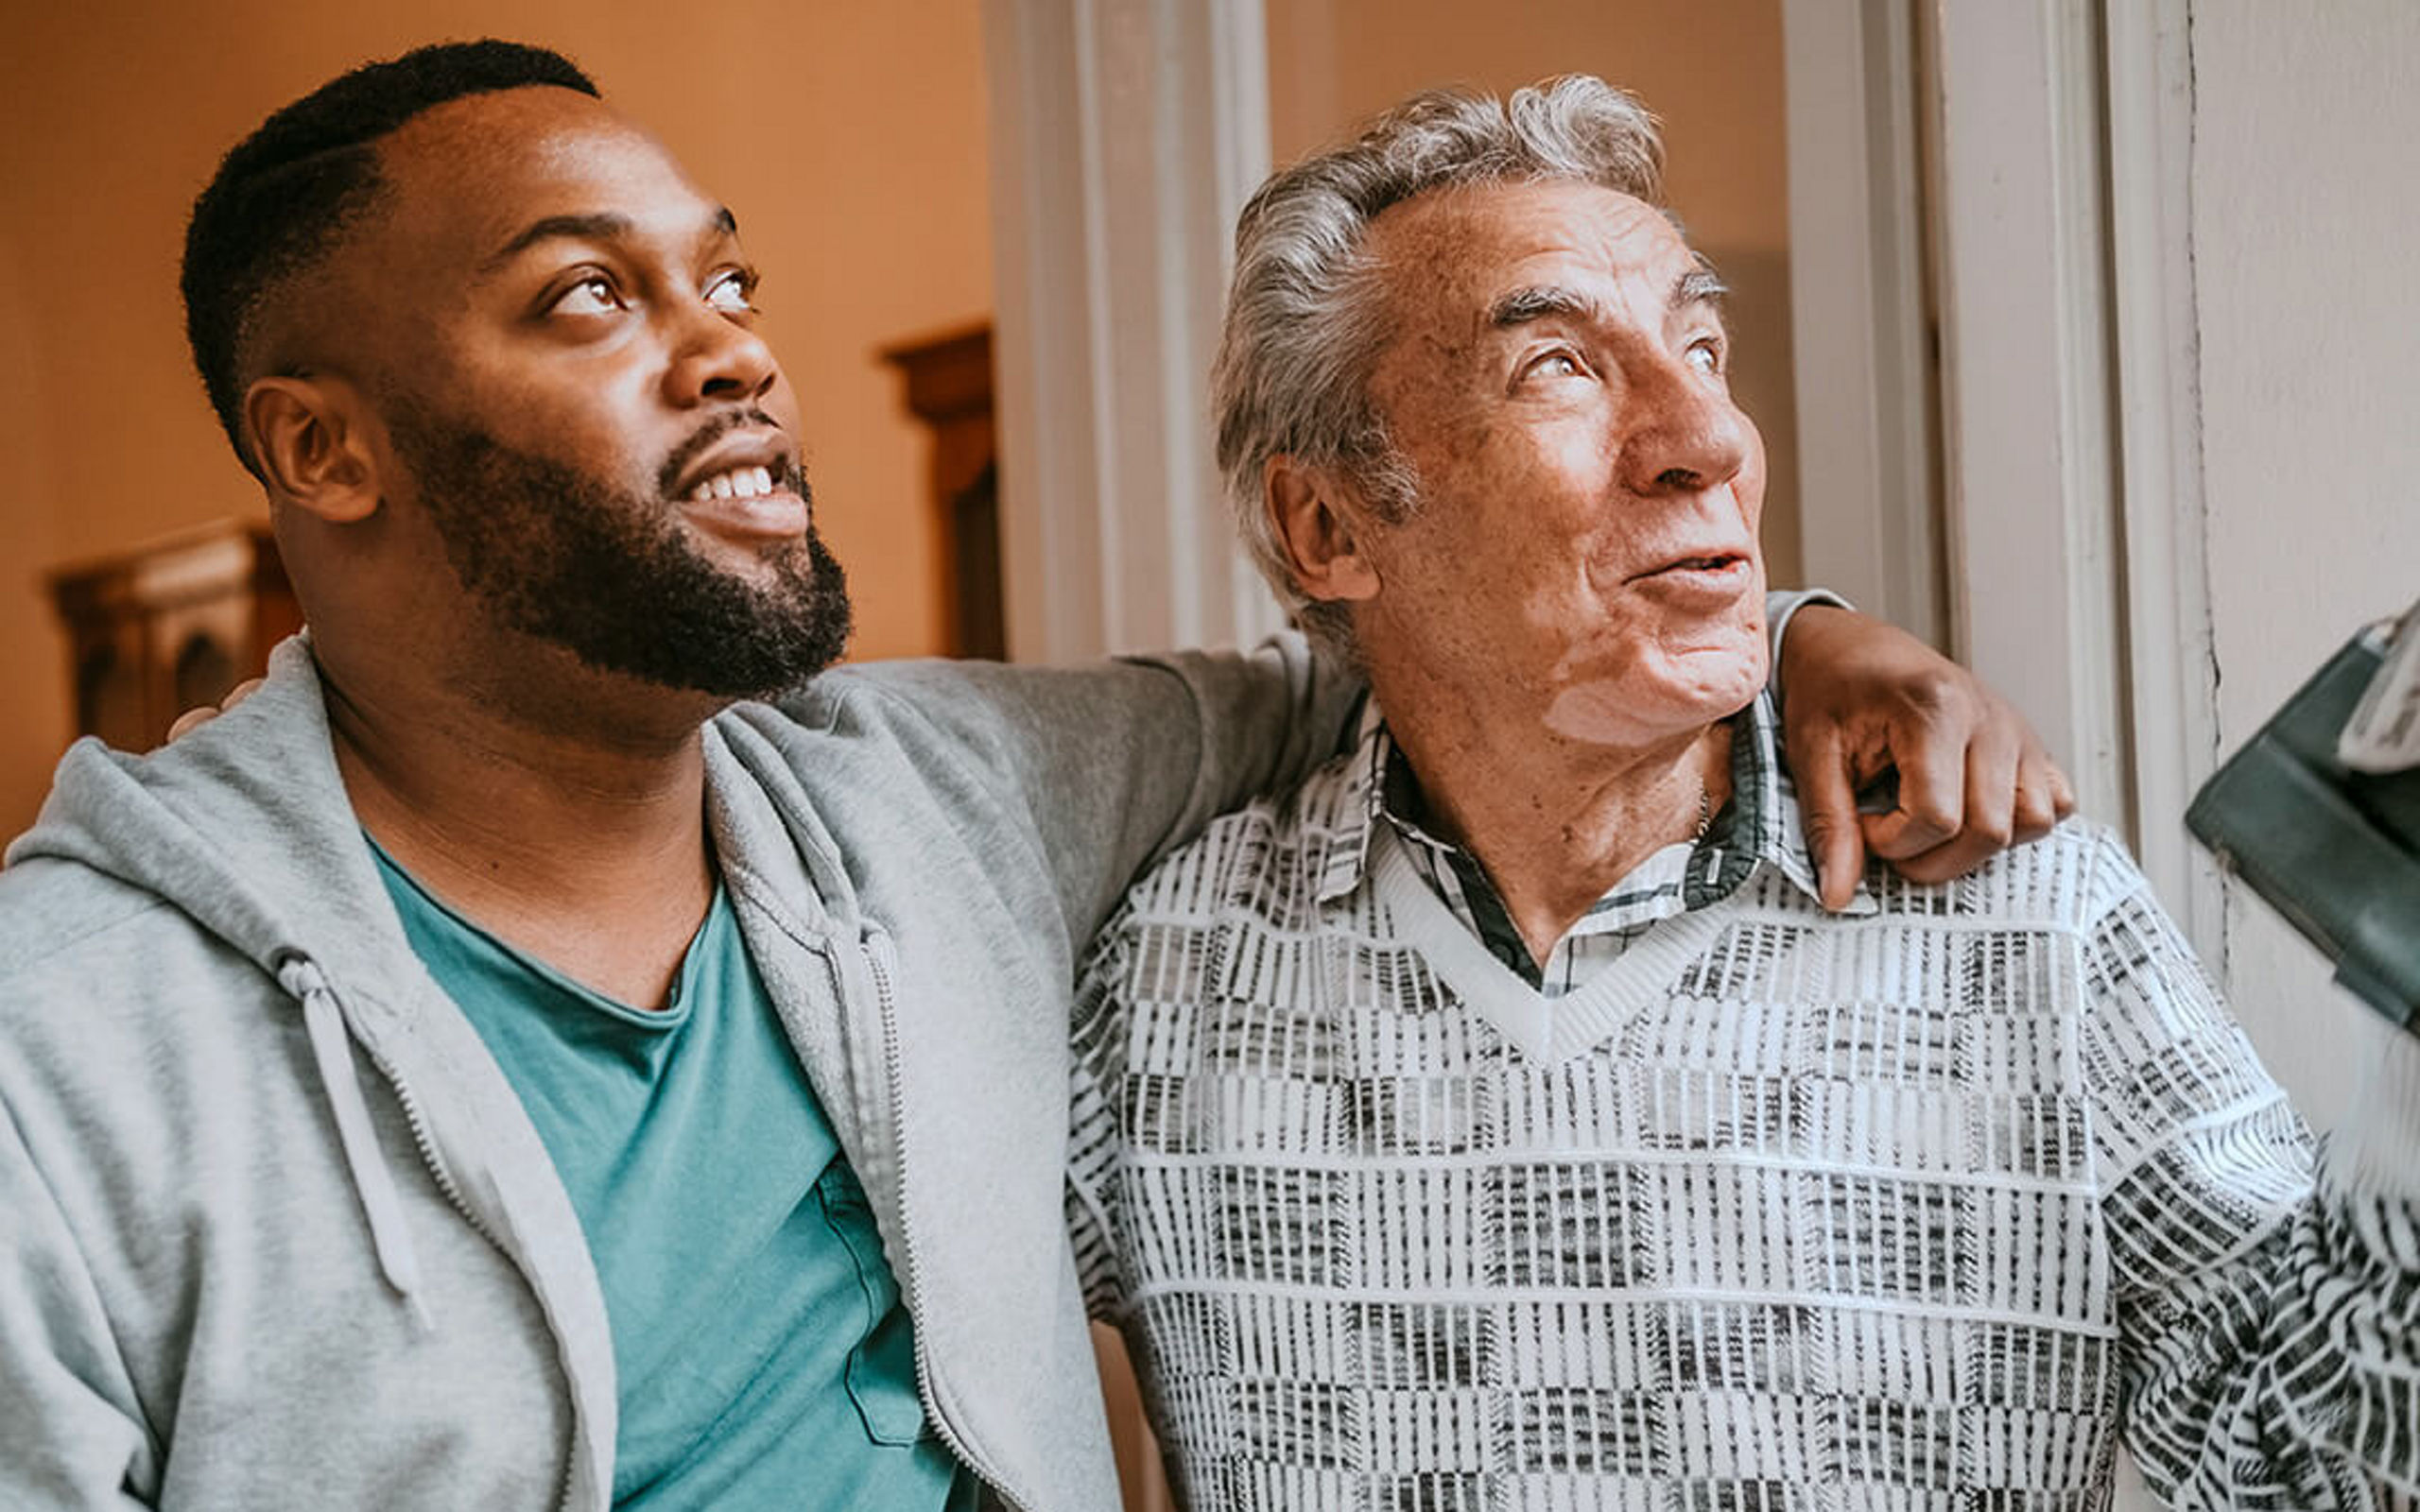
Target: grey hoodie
[(275, 1231)]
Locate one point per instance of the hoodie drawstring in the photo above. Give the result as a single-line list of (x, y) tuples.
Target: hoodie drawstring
[(332, 1048)]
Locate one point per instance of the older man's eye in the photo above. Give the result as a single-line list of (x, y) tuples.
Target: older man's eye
[(1706, 356), (1555, 364)]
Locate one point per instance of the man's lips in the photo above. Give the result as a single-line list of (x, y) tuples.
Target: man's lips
[(1711, 567), (745, 484), (722, 467), (779, 515)]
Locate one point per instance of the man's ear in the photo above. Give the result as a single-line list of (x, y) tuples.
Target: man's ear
[(311, 438), (1323, 529)]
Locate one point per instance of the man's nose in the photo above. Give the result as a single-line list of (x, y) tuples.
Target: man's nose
[(715, 357), (1686, 435)]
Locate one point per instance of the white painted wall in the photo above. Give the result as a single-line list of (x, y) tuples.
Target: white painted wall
[(2305, 222)]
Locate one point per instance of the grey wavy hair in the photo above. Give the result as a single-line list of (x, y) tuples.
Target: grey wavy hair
[(1306, 319)]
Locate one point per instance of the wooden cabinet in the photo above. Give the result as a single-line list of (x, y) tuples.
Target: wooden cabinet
[(169, 626), (949, 389)]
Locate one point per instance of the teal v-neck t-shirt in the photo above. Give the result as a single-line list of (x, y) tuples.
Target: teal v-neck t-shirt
[(763, 1356)]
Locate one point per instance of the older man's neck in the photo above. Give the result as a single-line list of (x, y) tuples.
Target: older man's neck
[(1555, 822)]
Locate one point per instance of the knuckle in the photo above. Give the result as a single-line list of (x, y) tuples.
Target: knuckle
[(1949, 861), (1932, 815), (1937, 691), (1928, 868), (2063, 793), (2036, 816)]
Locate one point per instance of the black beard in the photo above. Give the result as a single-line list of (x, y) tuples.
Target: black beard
[(610, 575)]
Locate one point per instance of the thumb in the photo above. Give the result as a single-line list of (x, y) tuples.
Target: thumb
[(1827, 802)]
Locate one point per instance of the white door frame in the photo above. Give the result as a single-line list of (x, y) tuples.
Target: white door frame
[(2070, 506), (2029, 434), (1868, 481), (2172, 661), (1124, 137)]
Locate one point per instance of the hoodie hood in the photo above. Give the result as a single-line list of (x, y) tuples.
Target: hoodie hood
[(244, 826)]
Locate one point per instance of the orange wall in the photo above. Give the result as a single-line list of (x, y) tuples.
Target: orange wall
[(1710, 69), (848, 137)]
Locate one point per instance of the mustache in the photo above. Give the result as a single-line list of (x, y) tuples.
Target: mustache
[(711, 431)]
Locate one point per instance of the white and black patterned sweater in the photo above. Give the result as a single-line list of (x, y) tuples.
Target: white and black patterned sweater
[(1929, 1208)]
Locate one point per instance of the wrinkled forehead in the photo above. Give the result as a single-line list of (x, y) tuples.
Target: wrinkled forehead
[(464, 178), (1448, 256)]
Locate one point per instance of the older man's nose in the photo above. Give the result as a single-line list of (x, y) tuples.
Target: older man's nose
[(1687, 436)]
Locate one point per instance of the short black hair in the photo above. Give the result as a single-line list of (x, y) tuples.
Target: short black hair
[(285, 193)]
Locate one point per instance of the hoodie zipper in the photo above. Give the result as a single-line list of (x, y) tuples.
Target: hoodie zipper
[(878, 953), (424, 1144)]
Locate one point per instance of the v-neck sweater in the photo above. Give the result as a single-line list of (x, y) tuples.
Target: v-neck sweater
[(1932, 1206)]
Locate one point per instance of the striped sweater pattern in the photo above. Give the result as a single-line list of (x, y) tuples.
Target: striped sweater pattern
[(1927, 1208)]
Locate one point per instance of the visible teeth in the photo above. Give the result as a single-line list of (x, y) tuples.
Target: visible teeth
[(739, 483)]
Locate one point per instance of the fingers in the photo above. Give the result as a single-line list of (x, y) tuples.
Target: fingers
[(1951, 860), (1930, 750), (1994, 762), (2042, 796), (1827, 803), (2014, 792), (193, 719), (1973, 779)]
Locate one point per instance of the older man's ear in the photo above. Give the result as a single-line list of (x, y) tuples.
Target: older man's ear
[(1321, 524)]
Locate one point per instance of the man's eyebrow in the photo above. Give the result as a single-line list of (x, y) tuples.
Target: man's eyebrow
[(1700, 284), (604, 226), (1540, 302)]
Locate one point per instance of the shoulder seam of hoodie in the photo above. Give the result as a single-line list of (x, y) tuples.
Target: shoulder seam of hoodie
[(49, 945)]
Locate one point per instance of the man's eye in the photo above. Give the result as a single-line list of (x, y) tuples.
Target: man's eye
[(594, 295), (734, 291), (1706, 356), (1555, 364)]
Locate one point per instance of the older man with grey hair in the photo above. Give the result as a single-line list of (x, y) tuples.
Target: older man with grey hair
[(1502, 1119)]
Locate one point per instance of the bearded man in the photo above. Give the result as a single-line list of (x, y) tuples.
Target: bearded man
[(1502, 1119), (497, 1065)]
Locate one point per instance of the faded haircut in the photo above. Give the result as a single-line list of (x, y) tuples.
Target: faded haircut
[(286, 196)]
